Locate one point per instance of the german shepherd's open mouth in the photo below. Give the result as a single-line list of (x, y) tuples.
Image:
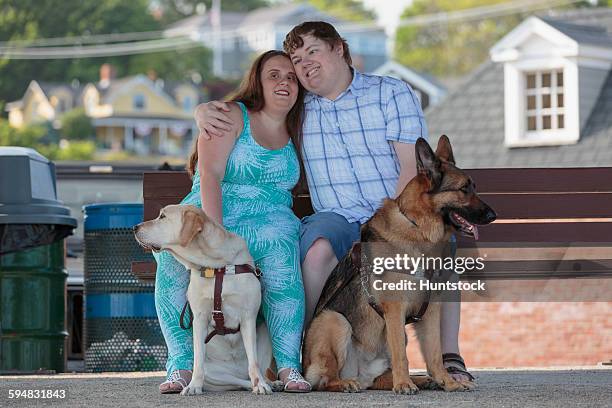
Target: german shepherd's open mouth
[(462, 222)]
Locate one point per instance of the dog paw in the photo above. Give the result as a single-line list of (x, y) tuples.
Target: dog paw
[(405, 388), (424, 382), (351, 386), (469, 385), (194, 389), (262, 388), (277, 386), (455, 386)]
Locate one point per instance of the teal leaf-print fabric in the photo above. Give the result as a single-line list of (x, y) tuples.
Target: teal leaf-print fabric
[(256, 194)]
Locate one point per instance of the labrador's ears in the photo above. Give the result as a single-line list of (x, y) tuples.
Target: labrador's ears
[(192, 225)]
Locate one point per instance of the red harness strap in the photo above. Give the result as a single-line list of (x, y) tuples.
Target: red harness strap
[(217, 313)]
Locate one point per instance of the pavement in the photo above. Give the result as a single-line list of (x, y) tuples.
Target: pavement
[(567, 387)]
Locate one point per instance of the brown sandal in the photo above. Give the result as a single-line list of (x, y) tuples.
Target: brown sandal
[(454, 364)]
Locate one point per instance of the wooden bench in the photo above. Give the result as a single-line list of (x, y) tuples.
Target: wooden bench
[(552, 223)]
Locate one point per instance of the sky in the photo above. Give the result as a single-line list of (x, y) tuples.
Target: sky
[(388, 11)]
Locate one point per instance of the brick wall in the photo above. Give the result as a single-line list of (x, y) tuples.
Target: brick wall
[(511, 334)]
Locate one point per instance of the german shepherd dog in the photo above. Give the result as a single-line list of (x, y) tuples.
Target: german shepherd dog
[(357, 339)]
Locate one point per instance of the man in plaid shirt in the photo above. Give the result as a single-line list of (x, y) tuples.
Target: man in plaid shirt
[(357, 148)]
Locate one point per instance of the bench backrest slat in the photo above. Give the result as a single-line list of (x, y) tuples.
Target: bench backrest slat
[(536, 208), (545, 205), (535, 180)]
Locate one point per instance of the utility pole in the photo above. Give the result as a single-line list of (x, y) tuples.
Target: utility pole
[(215, 20)]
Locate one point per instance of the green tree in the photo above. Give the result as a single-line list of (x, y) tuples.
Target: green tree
[(36, 136), (351, 10), (76, 125), (173, 65), (454, 48), (29, 136), (32, 19), (75, 150), (174, 10), (449, 49)]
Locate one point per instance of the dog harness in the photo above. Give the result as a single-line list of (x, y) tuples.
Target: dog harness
[(217, 313), (356, 259)]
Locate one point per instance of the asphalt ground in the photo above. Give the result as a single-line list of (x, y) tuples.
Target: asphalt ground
[(577, 387)]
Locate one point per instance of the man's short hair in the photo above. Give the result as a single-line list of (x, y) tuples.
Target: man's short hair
[(318, 29)]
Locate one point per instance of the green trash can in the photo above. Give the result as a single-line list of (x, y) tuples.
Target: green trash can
[(33, 225)]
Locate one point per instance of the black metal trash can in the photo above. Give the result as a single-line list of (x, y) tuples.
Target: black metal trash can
[(121, 331), (33, 224)]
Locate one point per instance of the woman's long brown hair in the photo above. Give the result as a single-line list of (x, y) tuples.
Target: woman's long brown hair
[(251, 94)]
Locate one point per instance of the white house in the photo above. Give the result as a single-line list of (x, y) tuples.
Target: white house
[(544, 99), (429, 91), (241, 36)]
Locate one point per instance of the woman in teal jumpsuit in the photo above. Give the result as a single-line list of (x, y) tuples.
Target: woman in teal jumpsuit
[(256, 202)]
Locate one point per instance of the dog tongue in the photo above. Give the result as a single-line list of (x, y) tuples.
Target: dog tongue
[(475, 231)]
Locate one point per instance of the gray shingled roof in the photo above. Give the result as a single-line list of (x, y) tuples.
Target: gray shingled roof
[(49, 88), (473, 118), (601, 17), (584, 34)]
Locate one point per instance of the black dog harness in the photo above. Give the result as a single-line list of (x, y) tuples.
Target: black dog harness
[(356, 261), (217, 313)]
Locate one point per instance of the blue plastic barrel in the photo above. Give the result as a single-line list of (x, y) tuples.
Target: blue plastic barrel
[(121, 328), (112, 215)]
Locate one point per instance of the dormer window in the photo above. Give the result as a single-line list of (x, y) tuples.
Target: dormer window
[(545, 108), (188, 104), (554, 72), (139, 102), (61, 105), (540, 103)]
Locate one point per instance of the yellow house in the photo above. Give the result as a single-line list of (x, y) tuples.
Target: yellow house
[(43, 102), (144, 116), (135, 114)]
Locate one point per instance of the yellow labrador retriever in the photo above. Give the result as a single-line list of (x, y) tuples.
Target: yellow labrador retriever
[(230, 361)]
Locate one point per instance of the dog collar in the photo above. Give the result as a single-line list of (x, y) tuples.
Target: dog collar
[(209, 272)]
